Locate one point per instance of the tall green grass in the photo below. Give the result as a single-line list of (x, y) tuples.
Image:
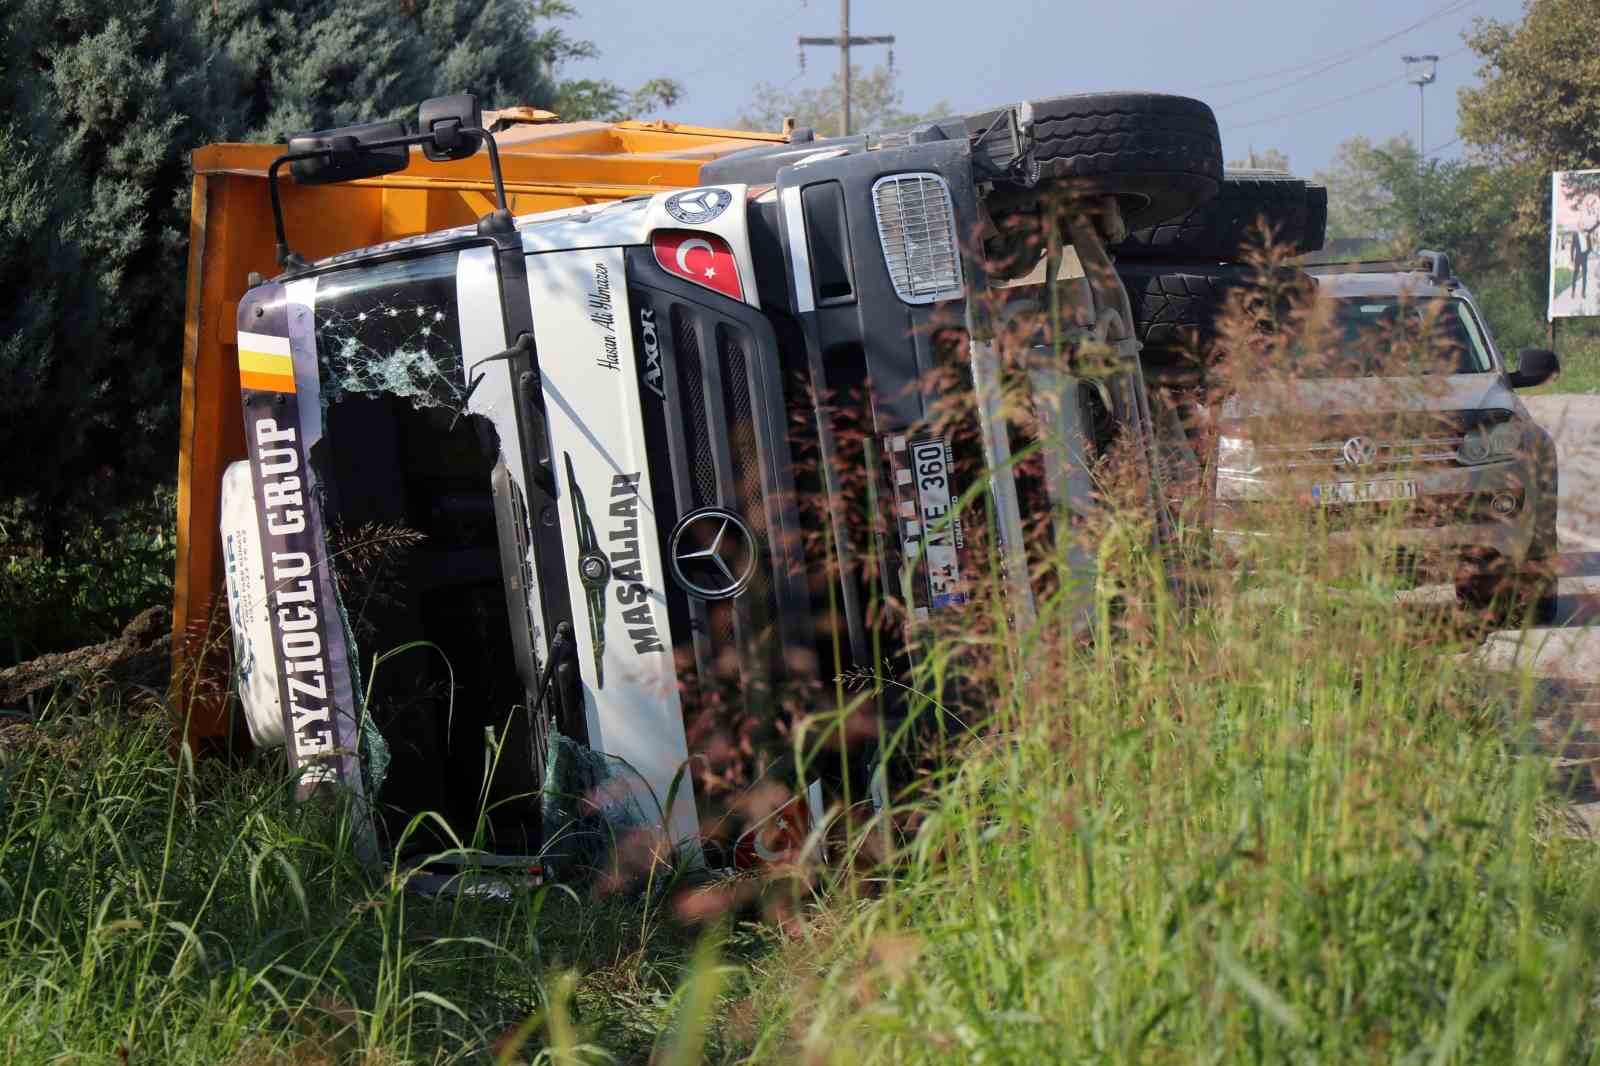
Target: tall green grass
[(1297, 828), (1291, 826), (154, 910)]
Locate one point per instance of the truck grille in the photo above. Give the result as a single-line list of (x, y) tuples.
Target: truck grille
[(717, 440), (691, 387), (917, 227)]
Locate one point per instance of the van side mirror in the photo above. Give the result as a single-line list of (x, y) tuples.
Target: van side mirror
[(445, 119), (344, 156), (1535, 366)]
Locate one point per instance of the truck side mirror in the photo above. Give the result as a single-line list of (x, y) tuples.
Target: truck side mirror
[(446, 118), (344, 155), (1535, 366)]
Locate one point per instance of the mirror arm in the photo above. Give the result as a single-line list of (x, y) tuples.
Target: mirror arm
[(495, 170), (291, 261), (286, 259)]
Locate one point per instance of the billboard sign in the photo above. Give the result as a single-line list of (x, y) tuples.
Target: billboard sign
[(1574, 243)]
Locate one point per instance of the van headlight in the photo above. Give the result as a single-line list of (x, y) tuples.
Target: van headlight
[(1237, 455), (1492, 444)]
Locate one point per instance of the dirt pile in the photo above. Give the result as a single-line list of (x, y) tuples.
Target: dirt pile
[(138, 659)]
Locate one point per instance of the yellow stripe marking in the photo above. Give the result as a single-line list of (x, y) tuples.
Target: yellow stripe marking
[(265, 362), (266, 371)]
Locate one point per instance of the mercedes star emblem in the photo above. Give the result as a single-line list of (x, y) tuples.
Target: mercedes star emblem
[(696, 207), (1359, 451), (713, 554)]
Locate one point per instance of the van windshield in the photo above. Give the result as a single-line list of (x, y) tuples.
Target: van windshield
[(1390, 336)]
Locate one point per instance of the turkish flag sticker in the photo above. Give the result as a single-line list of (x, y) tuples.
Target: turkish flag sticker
[(776, 840), (703, 258)]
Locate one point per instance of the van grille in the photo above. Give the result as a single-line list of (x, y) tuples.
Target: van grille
[(1390, 454)]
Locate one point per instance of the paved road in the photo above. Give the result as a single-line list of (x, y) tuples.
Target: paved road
[(1569, 648), (1565, 655)]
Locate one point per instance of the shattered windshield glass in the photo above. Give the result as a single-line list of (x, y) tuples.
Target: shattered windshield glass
[(392, 328)]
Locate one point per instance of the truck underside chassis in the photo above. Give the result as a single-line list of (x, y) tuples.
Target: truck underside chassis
[(557, 507)]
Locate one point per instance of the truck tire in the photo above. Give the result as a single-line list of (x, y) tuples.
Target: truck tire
[(1160, 155), (1175, 307), (1295, 212)]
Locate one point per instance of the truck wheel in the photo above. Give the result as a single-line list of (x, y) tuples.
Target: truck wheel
[(1160, 155), (1293, 211), (1175, 307)]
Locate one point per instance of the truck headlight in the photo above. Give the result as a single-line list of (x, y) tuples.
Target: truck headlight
[(1237, 455), (917, 227), (1491, 444)]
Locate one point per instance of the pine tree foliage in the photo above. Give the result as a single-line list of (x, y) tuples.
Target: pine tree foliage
[(312, 64), (101, 102)]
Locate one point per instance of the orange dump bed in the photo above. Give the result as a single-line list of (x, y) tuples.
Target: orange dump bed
[(546, 165)]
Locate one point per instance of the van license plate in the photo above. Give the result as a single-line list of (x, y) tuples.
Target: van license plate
[(1336, 492)]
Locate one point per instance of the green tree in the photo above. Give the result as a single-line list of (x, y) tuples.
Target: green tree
[(102, 101), (312, 64), (610, 102), (1537, 109), (1266, 159), (1386, 194), (1358, 192), (875, 104)]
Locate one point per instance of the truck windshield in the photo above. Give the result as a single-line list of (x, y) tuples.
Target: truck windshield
[(392, 328), (1390, 336)]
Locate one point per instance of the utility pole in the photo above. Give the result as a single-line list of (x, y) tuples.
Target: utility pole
[(844, 42), (1421, 71)]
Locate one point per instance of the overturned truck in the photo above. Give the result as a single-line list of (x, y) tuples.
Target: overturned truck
[(578, 493)]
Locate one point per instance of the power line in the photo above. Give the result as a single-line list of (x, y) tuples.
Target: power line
[(844, 42), (1297, 112), (1350, 53), (1339, 60)]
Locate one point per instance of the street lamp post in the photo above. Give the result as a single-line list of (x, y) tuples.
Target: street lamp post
[(1421, 71)]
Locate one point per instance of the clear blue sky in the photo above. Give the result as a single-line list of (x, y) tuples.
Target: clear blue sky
[(719, 48)]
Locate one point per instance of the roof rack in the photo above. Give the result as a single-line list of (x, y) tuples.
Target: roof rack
[(1436, 265)]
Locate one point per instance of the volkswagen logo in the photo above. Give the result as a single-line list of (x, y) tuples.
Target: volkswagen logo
[(698, 206), (713, 554), (1359, 451)]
